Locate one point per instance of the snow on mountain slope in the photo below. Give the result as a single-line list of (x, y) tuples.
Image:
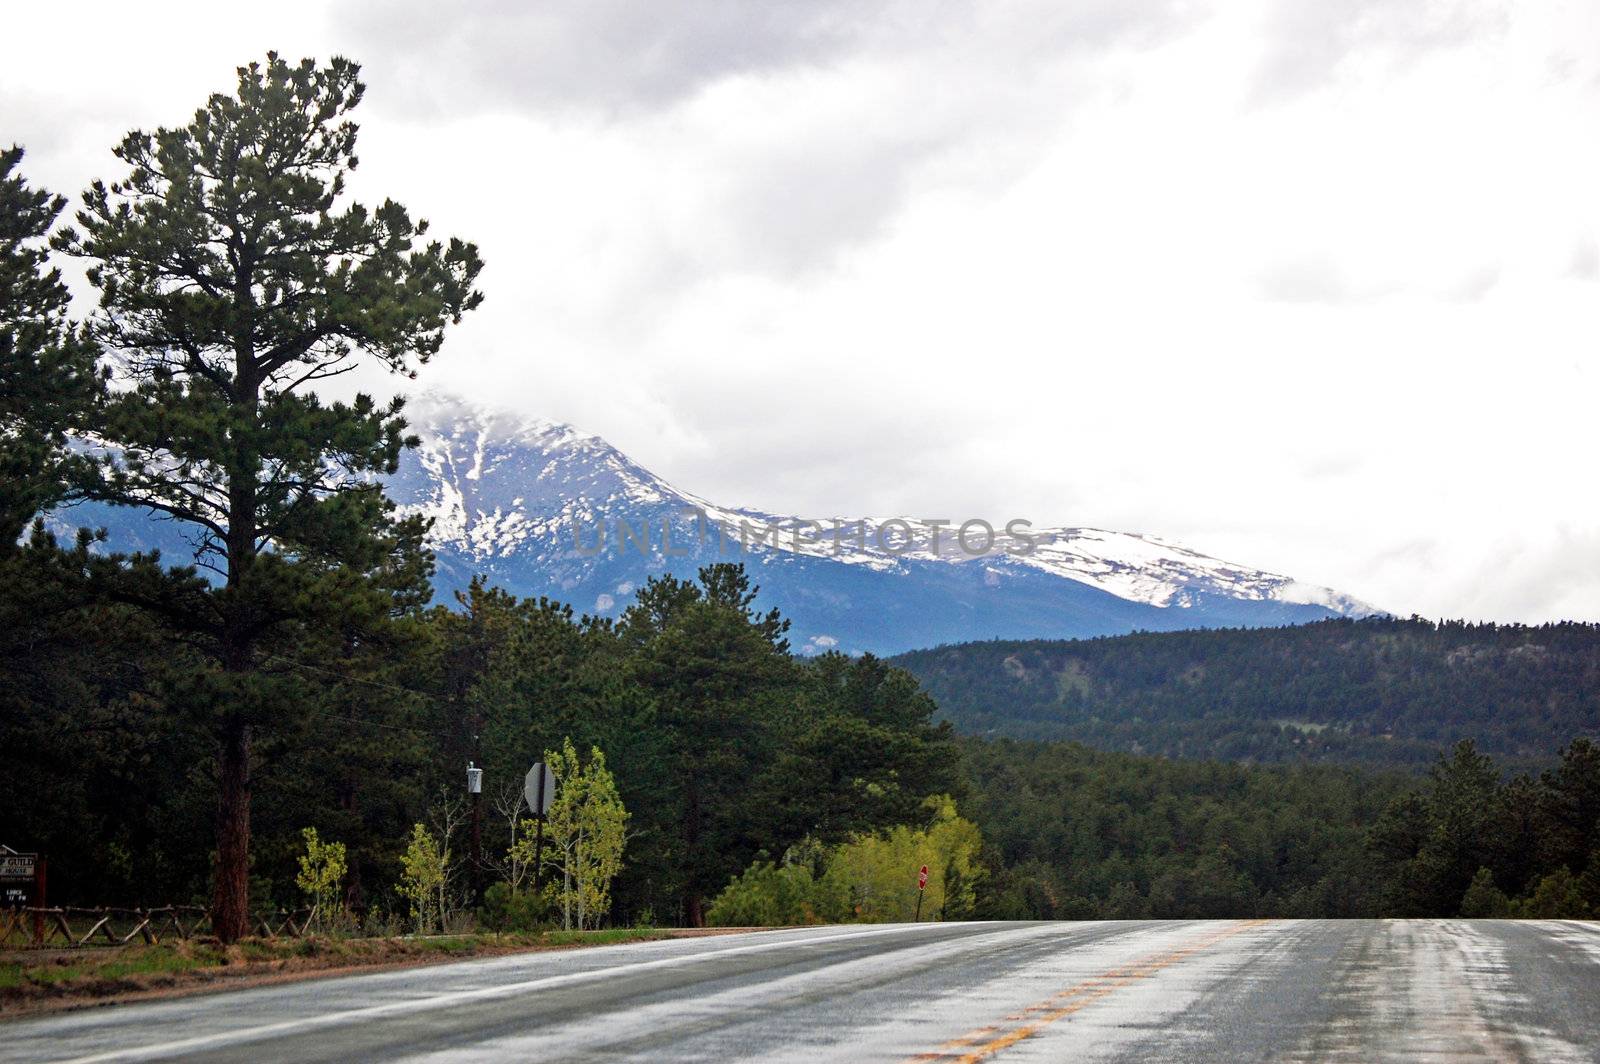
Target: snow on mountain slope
[(546, 509), (492, 483)]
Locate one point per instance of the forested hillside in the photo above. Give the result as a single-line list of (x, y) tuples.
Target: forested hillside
[(1381, 692), (1082, 833)]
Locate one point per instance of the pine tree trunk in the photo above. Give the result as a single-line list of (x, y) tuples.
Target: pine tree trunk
[(230, 907)]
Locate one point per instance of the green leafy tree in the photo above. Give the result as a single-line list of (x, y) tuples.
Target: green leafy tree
[(1483, 900), (781, 894), (234, 276), (871, 878), (879, 872), (1557, 897), (322, 871), (425, 878), (586, 828)]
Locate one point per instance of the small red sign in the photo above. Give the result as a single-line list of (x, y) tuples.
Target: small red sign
[(922, 878)]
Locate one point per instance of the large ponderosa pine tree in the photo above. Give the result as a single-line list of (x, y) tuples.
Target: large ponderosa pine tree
[(234, 277)]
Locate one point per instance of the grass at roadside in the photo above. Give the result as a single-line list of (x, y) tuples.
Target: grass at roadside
[(31, 980)]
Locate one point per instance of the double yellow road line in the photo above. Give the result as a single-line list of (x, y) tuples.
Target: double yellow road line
[(980, 1043)]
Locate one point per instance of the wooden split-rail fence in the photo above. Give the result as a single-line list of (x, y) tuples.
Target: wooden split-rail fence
[(72, 926)]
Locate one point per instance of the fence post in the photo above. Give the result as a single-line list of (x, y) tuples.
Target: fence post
[(39, 899)]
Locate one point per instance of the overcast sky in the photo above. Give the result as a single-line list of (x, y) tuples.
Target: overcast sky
[(1313, 286)]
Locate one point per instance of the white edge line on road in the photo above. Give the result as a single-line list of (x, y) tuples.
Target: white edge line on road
[(251, 1034)]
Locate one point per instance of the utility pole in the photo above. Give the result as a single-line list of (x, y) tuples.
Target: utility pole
[(475, 789)]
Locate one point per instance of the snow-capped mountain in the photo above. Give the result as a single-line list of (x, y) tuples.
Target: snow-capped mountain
[(540, 508), (543, 509)]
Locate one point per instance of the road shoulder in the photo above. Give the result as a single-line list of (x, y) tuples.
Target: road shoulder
[(35, 982)]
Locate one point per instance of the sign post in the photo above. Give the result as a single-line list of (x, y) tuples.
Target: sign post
[(922, 885), (539, 788), (22, 884)]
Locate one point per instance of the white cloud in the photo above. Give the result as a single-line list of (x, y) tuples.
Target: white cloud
[(1310, 44)]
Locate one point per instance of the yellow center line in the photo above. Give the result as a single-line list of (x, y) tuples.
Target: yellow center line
[(966, 1049)]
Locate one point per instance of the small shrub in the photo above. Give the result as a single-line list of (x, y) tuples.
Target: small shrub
[(381, 923), (1483, 900), (505, 909), (1557, 897)]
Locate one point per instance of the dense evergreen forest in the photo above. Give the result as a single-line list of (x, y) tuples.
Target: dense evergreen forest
[(700, 707), (722, 743), (704, 714), (1082, 833), (1381, 692)]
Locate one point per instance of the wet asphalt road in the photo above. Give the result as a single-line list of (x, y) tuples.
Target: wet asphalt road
[(1286, 990)]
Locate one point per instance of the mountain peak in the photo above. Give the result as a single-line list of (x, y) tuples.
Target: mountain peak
[(520, 494), (440, 415), (494, 480)]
